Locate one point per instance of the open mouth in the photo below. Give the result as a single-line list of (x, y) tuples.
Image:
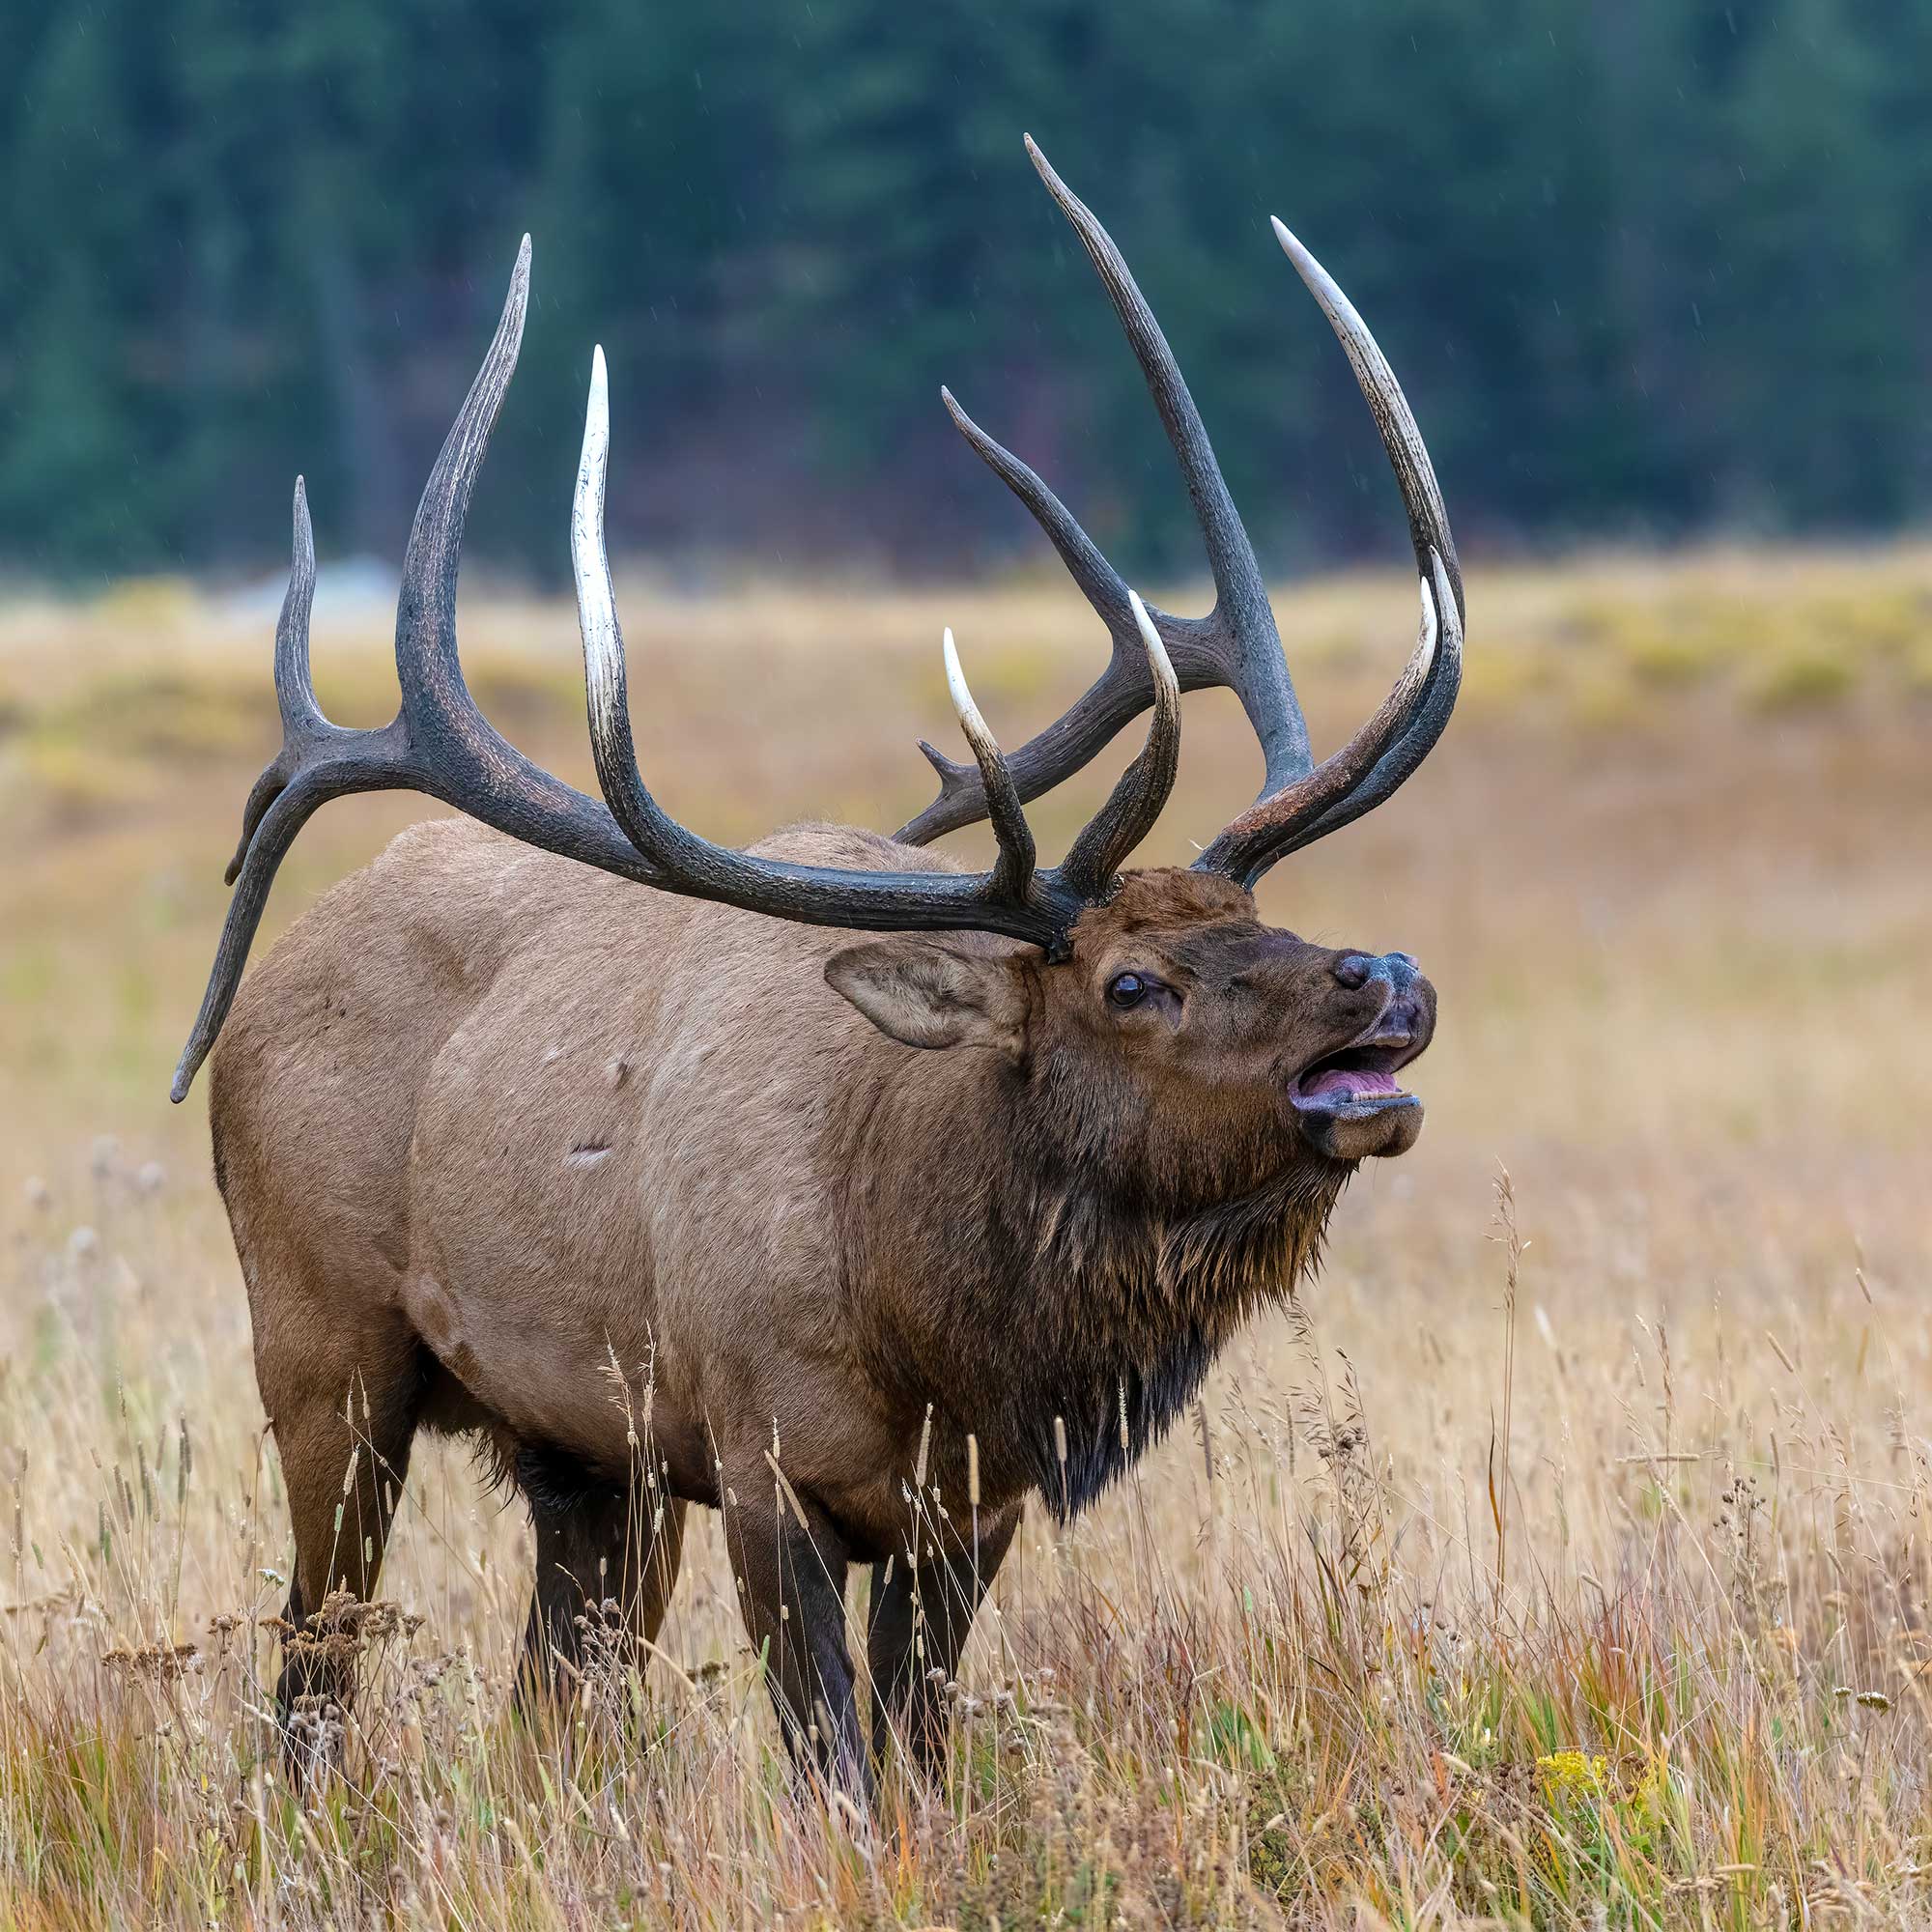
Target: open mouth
[(1355, 1080)]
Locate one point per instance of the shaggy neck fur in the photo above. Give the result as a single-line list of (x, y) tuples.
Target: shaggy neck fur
[(1123, 1305)]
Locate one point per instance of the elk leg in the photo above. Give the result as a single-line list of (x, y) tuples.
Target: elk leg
[(791, 1586), (595, 1546), (916, 1629), (344, 1455)]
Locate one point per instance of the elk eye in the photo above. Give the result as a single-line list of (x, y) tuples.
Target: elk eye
[(1127, 989)]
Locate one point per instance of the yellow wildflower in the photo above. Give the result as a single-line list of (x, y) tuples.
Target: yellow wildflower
[(1573, 1774)]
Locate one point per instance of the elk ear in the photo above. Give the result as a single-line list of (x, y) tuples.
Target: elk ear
[(924, 993)]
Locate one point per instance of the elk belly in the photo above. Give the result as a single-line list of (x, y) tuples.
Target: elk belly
[(537, 1377)]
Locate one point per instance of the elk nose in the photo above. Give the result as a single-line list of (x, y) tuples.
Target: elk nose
[(1401, 1018), (1398, 971)]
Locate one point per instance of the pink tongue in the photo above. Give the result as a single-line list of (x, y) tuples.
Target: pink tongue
[(1347, 1083)]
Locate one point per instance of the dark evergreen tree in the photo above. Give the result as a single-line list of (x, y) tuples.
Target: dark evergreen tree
[(1649, 267)]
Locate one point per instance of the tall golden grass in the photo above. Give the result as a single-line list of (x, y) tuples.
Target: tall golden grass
[(1561, 1558)]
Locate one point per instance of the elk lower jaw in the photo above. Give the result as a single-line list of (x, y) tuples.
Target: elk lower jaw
[(1349, 1106)]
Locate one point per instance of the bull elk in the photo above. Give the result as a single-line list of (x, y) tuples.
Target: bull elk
[(971, 1205)]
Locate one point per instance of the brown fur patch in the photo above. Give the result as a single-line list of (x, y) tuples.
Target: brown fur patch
[(638, 1173), (1160, 899)]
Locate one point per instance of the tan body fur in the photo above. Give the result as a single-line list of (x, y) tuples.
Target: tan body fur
[(564, 1120), (513, 1147), (628, 1160)]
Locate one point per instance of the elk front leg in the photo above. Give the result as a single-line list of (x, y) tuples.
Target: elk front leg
[(596, 1543), (921, 1616), (790, 1561)]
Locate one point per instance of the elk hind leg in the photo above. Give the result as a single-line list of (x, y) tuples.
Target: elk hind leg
[(344, 1437)]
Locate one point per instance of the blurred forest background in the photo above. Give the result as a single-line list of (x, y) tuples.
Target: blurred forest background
[(1648, 268)]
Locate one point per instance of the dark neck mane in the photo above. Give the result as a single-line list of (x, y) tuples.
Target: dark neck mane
[(1128, 1306)]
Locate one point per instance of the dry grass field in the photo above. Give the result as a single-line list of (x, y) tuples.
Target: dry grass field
[(1567, 1557)]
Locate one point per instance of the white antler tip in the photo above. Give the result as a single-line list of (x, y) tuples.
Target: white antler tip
[(1156, 651), (1322, 285), (587, 504), (964, 707), (1305, 265), (597, 410), (1448, 612), (1428, 638)]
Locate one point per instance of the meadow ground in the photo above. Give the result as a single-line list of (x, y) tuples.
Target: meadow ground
[(1565, 1561)]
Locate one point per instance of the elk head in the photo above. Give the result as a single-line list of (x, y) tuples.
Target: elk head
[(1217, 1051), (1180, 1044)]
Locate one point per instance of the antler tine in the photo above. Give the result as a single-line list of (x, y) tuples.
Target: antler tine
[(1254, 839), (1136, 802), (370, 765), (1013, 872), (1428, 532), (295, 696), (1408, 453), (1410, 722), (1117, 697), (1252, 653), (427, 665), (1101, 584), (683, 857)]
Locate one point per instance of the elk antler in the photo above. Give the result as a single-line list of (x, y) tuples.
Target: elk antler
[(1013, 898), (1237, 645), (440, 744)]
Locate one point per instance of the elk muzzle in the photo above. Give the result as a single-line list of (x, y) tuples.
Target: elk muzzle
[(1349, 1104)]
